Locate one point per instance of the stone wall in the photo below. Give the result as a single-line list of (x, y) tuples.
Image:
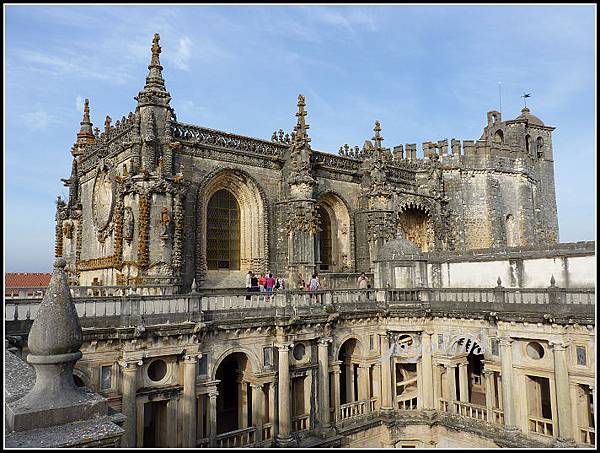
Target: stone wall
[(571, 264)]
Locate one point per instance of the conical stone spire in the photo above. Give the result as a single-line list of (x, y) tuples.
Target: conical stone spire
[(154, 92), (54, 341), (85, 136), (301, 136)]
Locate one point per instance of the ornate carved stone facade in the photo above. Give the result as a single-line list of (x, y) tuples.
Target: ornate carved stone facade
[(125, 182)]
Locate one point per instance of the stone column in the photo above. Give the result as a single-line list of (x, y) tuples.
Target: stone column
[(377, 385), (386, 376), (507, 390), (575, 409), (324, 382), (489, 394), (336, 391), (437, 386), (285, 410), (427, 371), (242, 402), (451, 387), (189, 401), (212, 416), (129, 389), (258, 415), (463, 382), (363, 382), (200, 419), (349, 382), (563, 394)]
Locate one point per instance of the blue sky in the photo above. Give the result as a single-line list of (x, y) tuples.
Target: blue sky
[(426, 72)]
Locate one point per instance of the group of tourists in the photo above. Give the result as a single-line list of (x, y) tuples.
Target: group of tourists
[(265, 283)]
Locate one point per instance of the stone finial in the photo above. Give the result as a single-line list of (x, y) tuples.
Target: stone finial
[(155, 50), (85, 135), (552, 281), (377, 138), (154, 78), (499, 281), (301, 126), (107, 124), (194, 286)]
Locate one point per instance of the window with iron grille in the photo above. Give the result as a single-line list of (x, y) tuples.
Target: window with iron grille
[(223, 231)]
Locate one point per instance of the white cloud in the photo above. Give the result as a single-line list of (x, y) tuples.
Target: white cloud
[(39, 119), (183, 53), (79, 103)]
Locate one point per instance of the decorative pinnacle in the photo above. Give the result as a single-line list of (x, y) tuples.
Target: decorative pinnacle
[(155, 50), (301, 125), (378, 138), (107, 124), (85, 135), (552, 281)]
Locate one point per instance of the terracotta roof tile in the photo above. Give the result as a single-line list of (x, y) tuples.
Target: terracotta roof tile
[(20, 279)]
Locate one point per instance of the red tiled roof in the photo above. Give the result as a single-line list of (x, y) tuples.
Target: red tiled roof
[(21, 279)]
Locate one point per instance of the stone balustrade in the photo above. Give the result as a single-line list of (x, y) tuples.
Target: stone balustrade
[(92, 302), (300, 423), (267, 431), (408, 404), (352, 409), (540, 425), (470, 410), (239, 438), (587, 435)]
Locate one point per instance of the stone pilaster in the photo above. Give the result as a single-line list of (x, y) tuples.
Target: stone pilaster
[(386, 376), (212, 415), (563, 394), (258, 415), (427, 370), (336, 391), (507, 374), (451, 381), (463, 382)]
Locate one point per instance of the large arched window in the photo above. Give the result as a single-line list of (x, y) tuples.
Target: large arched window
[(223, 232), (325, 245)]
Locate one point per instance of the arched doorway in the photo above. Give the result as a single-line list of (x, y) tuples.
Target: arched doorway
[(234, 402), (333, 251), (415, 224), (223, 231)]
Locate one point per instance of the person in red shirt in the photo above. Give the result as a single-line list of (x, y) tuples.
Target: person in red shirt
[(262, 281), (269, 283)]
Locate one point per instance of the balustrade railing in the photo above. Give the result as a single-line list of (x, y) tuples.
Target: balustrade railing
[(353, 409), (238, 438), (587, 435), (373, 404), (99, 301), (409, 404), (300, 422), (497, 416), (470, 410), (267, 431), (443, 405), (541, 425)]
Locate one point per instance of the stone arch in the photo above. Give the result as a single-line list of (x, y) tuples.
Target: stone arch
[(343, 341), (465, 344), (254, 219), (416, 222), (253, 360), (499, 137), (341, 226)]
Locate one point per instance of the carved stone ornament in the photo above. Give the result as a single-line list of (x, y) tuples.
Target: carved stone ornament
[(103, 198), (128, 224), (68, 229)]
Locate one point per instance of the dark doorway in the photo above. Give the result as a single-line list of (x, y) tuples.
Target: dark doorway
[(155, 424)]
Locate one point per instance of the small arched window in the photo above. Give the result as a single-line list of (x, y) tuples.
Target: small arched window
[(499, 137), (527, 143), (539, 146)]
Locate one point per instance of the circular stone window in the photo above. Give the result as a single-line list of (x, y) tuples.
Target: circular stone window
[(299, 351), (157, 370), (535, 350)]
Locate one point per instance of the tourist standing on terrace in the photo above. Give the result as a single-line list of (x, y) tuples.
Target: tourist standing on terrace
[(363, 281), (262, 281), (269, 283), (249, 276)]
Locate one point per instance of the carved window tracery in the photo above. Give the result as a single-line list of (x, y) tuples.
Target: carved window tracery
[(223, 231)]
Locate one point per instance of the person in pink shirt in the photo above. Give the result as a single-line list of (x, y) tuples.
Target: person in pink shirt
[(269, 283)]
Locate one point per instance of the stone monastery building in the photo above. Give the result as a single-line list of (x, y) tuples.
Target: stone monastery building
[(477, 328)]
